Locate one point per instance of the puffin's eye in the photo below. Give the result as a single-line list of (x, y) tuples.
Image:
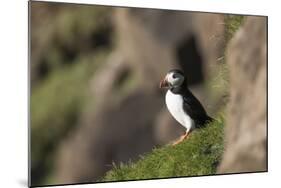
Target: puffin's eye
[(174, 75)]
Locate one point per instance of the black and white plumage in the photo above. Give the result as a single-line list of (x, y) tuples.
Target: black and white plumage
[(182, 104)]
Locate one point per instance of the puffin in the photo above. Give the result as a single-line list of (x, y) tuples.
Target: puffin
[(182, 104)]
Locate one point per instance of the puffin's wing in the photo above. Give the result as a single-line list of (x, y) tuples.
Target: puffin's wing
[(195, 110)]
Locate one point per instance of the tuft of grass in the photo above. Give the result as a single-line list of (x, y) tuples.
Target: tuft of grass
[(232, 24), (218, 82), (199, 155)]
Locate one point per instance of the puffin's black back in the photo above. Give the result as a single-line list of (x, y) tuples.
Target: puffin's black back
[(194, 109)]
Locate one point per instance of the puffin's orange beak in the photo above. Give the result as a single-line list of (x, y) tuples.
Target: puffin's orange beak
[(163, 83)]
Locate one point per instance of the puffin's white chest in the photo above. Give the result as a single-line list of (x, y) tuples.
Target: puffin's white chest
[(174, 104)]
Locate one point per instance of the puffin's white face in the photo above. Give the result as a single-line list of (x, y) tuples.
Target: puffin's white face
[(172, 80)]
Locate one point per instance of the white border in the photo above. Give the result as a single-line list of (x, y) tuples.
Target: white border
[(13, 93)]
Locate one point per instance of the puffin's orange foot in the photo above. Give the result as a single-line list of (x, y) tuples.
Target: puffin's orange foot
[(182, 138)]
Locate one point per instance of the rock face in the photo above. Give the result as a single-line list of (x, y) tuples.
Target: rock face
[(246, 130)]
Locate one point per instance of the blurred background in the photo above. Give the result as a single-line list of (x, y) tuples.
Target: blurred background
[(95, 72)]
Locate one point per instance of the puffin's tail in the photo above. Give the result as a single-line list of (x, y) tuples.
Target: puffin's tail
[(205, 121), (209, 119)]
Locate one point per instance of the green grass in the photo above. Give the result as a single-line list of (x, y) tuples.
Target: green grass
[(232, 24), (198, 155), (218, 82)]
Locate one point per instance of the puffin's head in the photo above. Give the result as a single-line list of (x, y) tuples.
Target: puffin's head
[(173, 79)]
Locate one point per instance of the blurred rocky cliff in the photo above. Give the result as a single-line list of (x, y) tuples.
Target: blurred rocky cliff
[(246, 131), (95, 71)]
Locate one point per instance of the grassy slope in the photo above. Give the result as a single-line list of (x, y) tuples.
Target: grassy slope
[(198, 155)]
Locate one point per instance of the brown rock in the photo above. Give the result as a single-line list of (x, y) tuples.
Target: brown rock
[(116, 132), (246, 130)]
